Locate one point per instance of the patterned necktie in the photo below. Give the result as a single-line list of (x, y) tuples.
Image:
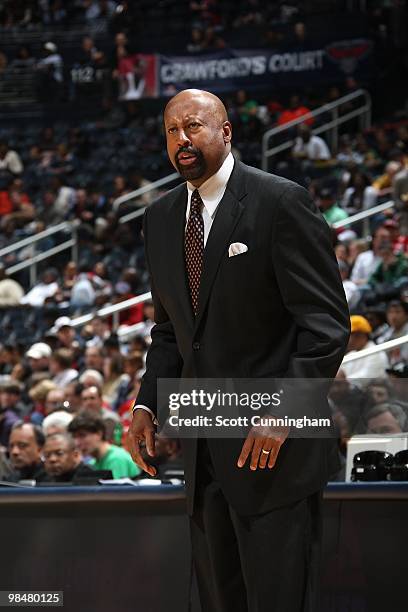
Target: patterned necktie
[(194, 247)]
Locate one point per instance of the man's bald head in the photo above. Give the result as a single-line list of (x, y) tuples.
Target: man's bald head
[(198, 134), (214, 105)]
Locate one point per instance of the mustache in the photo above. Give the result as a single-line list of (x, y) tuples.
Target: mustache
[(190, 150)]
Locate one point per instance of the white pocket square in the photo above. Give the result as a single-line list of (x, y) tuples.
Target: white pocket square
[(237, 248)]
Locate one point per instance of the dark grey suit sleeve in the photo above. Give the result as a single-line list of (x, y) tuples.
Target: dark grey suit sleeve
[(163, 357), (309, 281)]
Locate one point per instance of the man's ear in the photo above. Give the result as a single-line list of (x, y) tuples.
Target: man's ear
[(227, 132)]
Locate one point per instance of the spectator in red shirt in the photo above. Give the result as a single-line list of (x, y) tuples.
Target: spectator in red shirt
[(295, 110)]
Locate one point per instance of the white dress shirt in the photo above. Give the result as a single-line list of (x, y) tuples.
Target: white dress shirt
[(211, 193)]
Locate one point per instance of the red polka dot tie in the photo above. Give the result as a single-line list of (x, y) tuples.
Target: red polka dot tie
[(194, 247)]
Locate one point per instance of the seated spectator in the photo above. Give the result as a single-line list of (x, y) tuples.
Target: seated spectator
[(92, 402), (366, 368), (327, 202), (167, 460), (73, 397), (367, 262), (83, 292), (11, 393), (38, 356), (379, 391), (359, 194), (65, 333), (397, 319), (48, 209), (97, 332), (54, 401), (392, 269), (11, 292), (8, 416), (310, 147), (56, 422), (294, 111), (91, 378), (89, 432), (375, 315), (38, 394), (43, 290), (93, 358), (400, 197), (383, 184), (350, 289), (387, 418), (25, 450), (113, 377), (50, 73), (10, 161), (132, 365), (60, 367), (62, 460)]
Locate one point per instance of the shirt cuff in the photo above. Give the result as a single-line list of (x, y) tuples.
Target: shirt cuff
[(141, 407)]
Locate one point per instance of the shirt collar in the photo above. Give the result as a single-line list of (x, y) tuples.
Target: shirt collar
[(213, 189)]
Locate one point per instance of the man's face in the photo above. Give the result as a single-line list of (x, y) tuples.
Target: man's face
[(357, 341), (59, 458), (66, 335), (197, 137), (93, 358), (23, 448), (384, 423), (91, 400), (87, 442), (379, 394), (8, 400), (54, 401), (396, 316), (382, 235)]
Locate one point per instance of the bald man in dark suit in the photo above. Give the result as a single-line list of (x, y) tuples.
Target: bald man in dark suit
[(245, 284)]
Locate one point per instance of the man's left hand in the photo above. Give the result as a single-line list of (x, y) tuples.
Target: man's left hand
[(263, 444)]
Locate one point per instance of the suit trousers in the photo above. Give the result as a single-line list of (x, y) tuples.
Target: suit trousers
[(258, 563)]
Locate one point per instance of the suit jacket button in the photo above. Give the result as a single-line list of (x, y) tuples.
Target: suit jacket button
[(196, 346)]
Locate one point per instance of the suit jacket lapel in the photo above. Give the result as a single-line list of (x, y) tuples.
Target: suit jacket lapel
[(175, 233), (227, 216)]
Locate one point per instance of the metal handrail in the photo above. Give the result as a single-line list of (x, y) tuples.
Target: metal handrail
[(65, 225), (364, 214), (142, 190), (378, 348), (333, 107), (113, 309)]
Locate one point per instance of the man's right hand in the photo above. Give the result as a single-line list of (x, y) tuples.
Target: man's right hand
[(141, 431)]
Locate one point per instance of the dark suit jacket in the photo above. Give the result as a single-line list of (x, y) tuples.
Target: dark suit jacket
[(278, 309)]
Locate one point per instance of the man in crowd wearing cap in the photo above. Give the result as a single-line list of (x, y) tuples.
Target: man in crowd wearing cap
[(38, 356), (64, 331), (25, 450), (366, 368), (62, 460)]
